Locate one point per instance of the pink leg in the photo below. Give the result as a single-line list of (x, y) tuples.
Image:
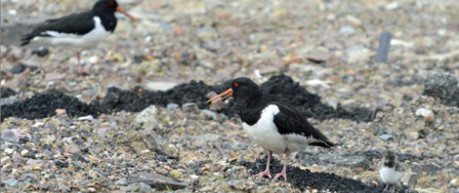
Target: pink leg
[(266, 172), (283, 173), (81, 70)]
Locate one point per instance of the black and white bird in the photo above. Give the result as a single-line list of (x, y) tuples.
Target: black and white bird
[(274, 125), (391, 171), (80, 30)]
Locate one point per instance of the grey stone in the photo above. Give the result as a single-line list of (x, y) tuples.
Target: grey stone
[(160, 86), (10, 183), (443, 86), (386, 137), (210, 114), (347, 30), (190, 107), (147, 119), (157, 181), (172, 106)]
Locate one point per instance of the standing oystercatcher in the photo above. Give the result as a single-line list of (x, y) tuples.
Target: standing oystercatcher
[(81, 30), (275, 126)]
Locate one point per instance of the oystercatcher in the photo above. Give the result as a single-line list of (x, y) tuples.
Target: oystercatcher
[(391, 171), (274, 125), (81, 30)]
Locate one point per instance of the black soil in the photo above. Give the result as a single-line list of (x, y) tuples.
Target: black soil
[(305, 179), (44, 104)]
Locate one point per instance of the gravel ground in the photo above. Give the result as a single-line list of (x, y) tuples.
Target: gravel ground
[(139, 121)]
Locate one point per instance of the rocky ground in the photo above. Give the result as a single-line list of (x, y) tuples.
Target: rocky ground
[(139, 121)]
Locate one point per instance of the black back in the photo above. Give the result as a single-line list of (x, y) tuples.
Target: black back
[(251, 102), (78, 23)]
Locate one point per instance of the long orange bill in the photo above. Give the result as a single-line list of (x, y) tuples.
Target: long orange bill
[(119, 9), (220, 97)]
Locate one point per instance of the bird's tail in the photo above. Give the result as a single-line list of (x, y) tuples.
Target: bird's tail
[(26, 39), (326, 144)]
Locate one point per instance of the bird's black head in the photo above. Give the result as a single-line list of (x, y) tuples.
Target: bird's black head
[(105, 6), (389, 159), (242, 89)]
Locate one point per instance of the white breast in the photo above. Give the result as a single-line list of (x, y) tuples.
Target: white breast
[(265, 133), (389, 175), (86, 41)]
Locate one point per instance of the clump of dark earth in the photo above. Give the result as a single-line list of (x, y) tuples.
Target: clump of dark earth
[(19, 68), (282, 87), (41, 52), (305, 179), (7, 92), (44, 105), (444, 87)]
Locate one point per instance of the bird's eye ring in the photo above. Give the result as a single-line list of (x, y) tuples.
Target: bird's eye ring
[(235, 84), (111, 3)]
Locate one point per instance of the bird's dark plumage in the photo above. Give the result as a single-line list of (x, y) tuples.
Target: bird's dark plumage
[(276, 126), (77, 23)]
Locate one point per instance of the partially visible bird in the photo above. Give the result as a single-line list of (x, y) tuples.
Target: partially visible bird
[(274, 125), (80, 30), (391, 171)]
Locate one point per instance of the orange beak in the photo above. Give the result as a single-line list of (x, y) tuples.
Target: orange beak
[(119, 9), (220, 97)]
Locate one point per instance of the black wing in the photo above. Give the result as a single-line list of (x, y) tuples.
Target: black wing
[(290, 121), (78, 23)]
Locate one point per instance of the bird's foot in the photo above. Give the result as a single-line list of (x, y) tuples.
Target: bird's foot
[(283, 174), (83, 72), (264, 173)]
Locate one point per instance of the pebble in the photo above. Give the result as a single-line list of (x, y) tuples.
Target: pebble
[(11, 182), (190, 107), (9, 151), (172, 106)]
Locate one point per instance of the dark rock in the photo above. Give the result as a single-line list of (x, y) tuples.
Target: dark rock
[(61, 164), (41, 52), (18, 68), (157, 181), (7, 92), (443, 86)]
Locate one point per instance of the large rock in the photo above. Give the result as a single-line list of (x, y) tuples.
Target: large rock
[(443, 86), (147, 119)]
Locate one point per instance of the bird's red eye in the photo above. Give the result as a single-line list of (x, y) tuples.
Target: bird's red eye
[(112, 4), (235, 84)]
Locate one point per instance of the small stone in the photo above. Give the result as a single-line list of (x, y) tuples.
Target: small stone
[(10, 183), (54, 76), (147, 119), (25, 152), (172, 106), (157, 181), (386, 137), (347, 30), (392, 6), (190, 107), (9, 151), (72, 148), (424, 112), (209, 114)]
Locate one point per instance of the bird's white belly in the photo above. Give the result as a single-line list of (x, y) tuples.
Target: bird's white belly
[(389, 175), (86, 41), (265, 134)]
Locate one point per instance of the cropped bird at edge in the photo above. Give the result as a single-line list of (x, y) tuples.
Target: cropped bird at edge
[(274, 125), (80, 30), (391, 171)]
